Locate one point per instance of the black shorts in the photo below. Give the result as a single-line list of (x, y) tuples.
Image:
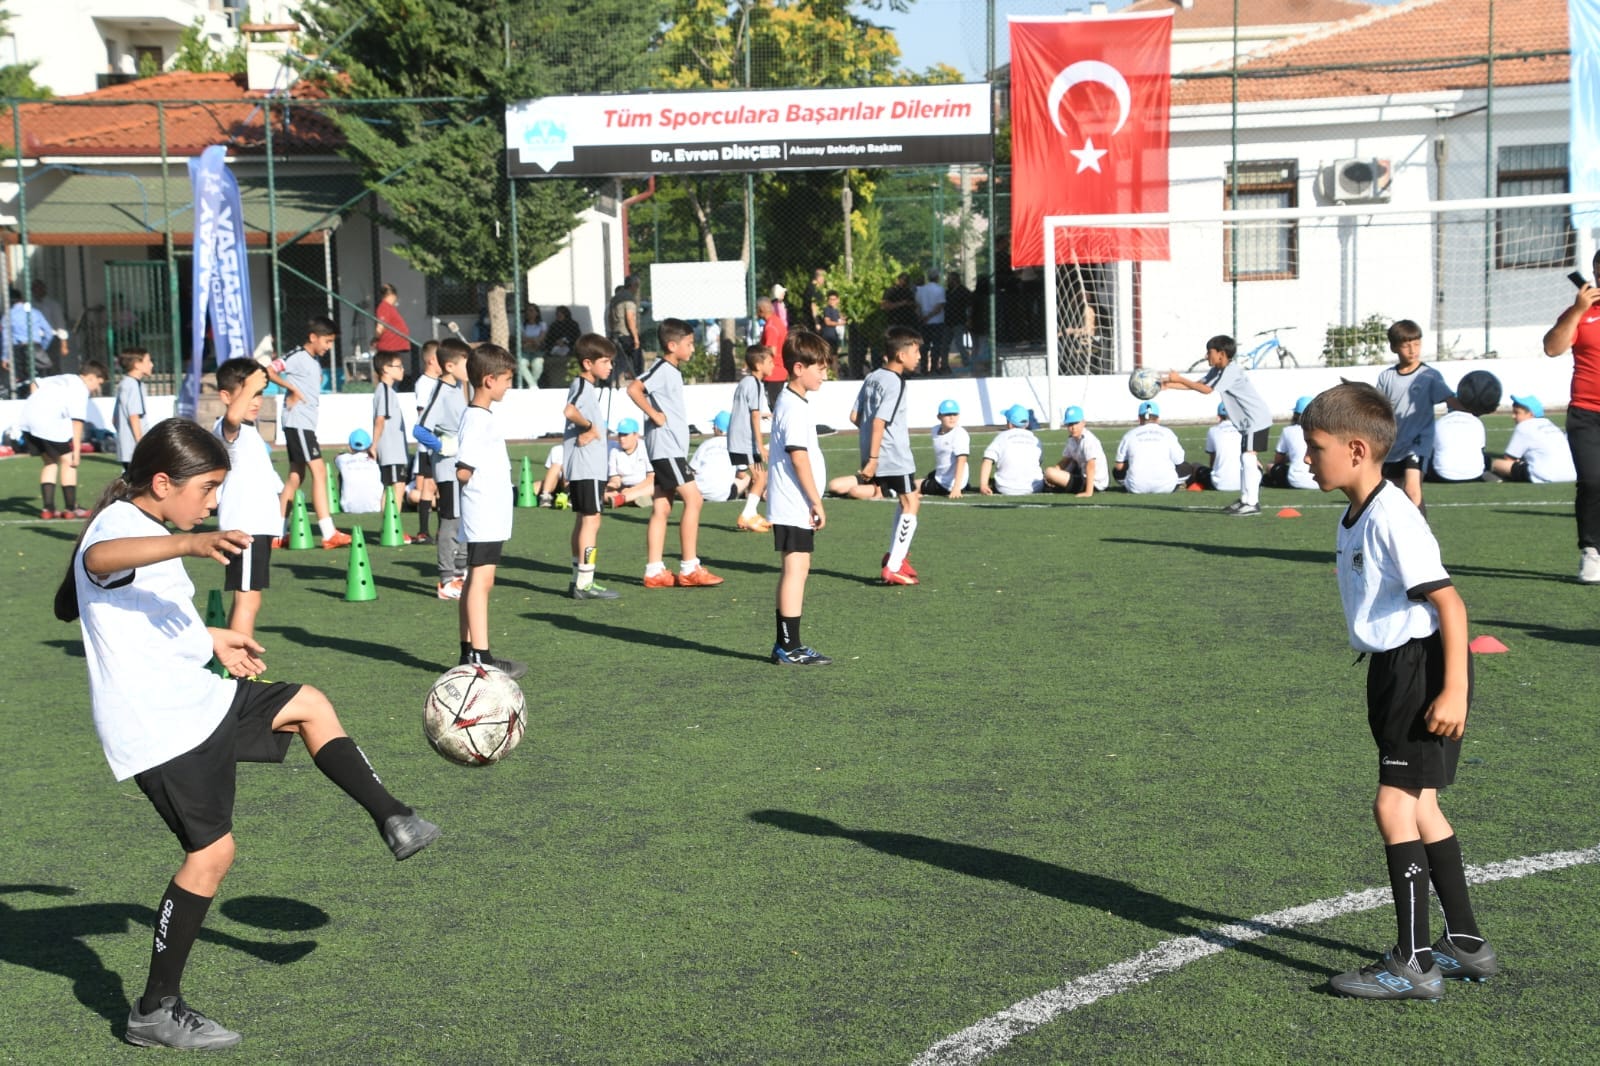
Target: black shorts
[(1075, 483), (392, 474), (794, 539), (303, 446), (743, 460), (896, 484), (422, 462), (194, 792), (670, 473), (448, 495), (1255, 441), (586, 496), (1519, 471), (1396, 471), (931, 487), (484, 552), (48, 449), (1401, 683), (247, 571)]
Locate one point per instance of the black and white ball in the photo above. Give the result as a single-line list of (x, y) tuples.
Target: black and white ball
[(474, 715)]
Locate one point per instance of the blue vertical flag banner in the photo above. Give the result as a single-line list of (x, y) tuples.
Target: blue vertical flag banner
[(221, 271), (1583, 16)]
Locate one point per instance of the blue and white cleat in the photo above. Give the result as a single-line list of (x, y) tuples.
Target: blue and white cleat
[(1456, 962), (799, 657), (1389, 978)]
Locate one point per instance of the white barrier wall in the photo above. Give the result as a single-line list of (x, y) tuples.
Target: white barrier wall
[(532, 413)]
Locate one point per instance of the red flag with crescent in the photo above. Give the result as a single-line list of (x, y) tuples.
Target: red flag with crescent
[(1089, 103)]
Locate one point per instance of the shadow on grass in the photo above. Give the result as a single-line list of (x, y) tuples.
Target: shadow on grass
[(349, 645), (73, 648), (1587, 637), (1553, 512), (634, 637), (67, 532), (1236, 551), (50, 940), (1058, 882)]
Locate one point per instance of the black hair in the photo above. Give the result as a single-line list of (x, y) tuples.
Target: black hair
[(672, 330), (235, 372), (176, 447), (1224, 344)]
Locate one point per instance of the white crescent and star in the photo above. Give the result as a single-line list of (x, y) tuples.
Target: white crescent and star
[(1081, 72)]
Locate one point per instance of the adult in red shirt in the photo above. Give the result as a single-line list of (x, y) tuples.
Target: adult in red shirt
[(1578, 328), (773, 334), (390, 333)]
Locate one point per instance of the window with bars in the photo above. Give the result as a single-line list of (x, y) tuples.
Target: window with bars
[(1262, 251), (1531, 237)]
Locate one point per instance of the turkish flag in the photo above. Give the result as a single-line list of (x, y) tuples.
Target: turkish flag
[(1089, 104)]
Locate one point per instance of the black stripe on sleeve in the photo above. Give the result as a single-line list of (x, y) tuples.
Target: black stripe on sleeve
[(1420, 592)]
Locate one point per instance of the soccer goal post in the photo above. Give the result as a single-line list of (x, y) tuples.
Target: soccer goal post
[(1482, 277)]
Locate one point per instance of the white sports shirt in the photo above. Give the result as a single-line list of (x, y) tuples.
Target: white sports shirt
[(360, 483), (1152, 452), (1458, 441), (248, 499), (794, 427), (1081, 450), (1016, 454), (1387, 560), (632, 467), (1292, 446), (56, 403), (486, 497), (1540, 443), (713, 470), (1225, 444), (147, 652), (947, 448)]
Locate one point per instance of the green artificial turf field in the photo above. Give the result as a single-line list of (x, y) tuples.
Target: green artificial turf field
[(1093, 730)]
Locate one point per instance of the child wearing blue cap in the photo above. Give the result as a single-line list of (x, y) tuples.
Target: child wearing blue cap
[(1223, 445), (1538, 450), (629, 478), (360, 480), (1289, 470), (1083, 469), (1150, 456), (1011, 461), (951, 447), (713, 469)]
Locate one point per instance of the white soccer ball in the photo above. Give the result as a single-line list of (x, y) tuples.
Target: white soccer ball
[(1144, 383), (474, 715)]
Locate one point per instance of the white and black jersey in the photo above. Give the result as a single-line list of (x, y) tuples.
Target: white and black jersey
[(584, 462), (794, 428), (1388, 561), (663, 383)]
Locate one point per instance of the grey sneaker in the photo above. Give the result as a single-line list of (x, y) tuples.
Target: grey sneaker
[(175, 1024), (1233, 508), (407, 834), (1457, 962), (594, 592), (1389, 978), (1245, 510)]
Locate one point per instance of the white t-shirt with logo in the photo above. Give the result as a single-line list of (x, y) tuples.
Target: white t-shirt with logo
[(1387, 560), (486, 498), (147, 652), (1540, 443), (1080, 450), (794, 427), (1152, 452), (1016, 454), (947, 448), (632, 467)]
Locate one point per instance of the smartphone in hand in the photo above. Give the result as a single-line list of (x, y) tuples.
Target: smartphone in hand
[(1577, 278)]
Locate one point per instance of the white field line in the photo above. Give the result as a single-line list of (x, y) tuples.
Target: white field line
[(977, 1042)]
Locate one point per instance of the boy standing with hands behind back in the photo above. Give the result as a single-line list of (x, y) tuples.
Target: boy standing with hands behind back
[(1403, 612)]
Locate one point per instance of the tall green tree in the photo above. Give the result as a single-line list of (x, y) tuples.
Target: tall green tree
[(445, 70), (197, 55), (16, 79)]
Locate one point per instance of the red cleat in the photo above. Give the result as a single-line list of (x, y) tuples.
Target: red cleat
[(699, 577)]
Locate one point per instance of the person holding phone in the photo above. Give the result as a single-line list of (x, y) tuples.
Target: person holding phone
[(1578, 329)]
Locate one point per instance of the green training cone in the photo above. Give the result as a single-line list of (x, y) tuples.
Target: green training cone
[(299, 525), (391, 536), (216, 616), (527, 493), (358, 586), (334, 506)]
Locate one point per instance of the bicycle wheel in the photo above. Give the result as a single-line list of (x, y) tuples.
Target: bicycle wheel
[(1286, 358), (1198, 365)]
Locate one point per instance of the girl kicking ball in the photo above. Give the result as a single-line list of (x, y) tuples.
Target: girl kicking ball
[(168, 722)]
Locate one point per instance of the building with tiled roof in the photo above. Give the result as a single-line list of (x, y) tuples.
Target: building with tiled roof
[(1203, 31)]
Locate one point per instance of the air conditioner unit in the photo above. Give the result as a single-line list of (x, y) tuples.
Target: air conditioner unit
[(1354, 181)]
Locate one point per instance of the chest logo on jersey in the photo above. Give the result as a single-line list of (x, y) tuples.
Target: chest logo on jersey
[(1358, 560)]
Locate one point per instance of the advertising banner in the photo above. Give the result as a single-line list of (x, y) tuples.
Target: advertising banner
[(221, 272), (769, 129)]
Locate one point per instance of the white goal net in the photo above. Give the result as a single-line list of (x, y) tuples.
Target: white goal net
[(1481, 277)]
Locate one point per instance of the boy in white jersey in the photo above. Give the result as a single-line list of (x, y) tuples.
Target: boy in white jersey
[(54, 417), (1222, 447), (1288, 469), (629, 478), (885, 446), (745, 449), (129, 414), (1011, 461), (1401, 610), (1083, 469), (360, 482), (1413, 389), (1244, 407), (426, 394), (299, 375), (583, 441), (658, 392), (1538, 450), (483, 470), (248, 499), (719, 480), (1150, 456), (794, 497), (1458, 449), (952, 446)]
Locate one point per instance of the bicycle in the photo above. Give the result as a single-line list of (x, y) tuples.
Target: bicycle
[(1255, 355)]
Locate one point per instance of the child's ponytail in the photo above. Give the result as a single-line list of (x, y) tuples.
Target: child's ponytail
[(177, 447)]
